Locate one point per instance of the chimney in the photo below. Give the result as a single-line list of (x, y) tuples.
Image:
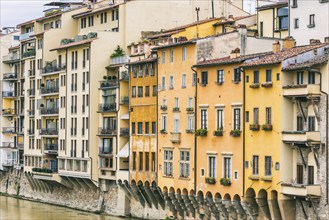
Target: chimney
[(288, 42), (235, 53), (276, 47), (315, 41)]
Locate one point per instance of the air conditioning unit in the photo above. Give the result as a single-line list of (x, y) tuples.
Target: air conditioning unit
[(111, 2)]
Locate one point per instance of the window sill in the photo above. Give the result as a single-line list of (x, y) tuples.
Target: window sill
[(294, 6), (266, 178), (311, 25), (170, 177), (253, 177), (184, 178)]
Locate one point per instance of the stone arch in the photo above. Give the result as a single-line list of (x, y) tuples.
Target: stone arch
[(147, 183), (154, 184), (192, 192), (200, 193), (236, 197), (171, 190), (262, 194), (209, 195), (140, 183), (250, 193), (178, 191), (218, 196), (227, 197), (274, 204), (250, 199), (185, 192), (263, 204), (133, 182), (165, 189)]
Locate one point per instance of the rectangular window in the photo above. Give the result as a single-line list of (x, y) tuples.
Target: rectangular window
[(300, 123), (294, 4), (147, 127), (154, 90), (171, 82), (164, 122), (147, 91), (184, 164), (140, 161), (183, 53), (268, 166), (268, 116), (311, 78), (268, 75), (171, 56), (220, 76), (312, 21), (153, 127), (176, 102), (153, 162), (256, 116), (204, 78), (140, 71), (194, 79), (256, 76), (296, 23), (236, 118), (168, 163), (163, 83), (247, 116), (237, 75), (220, 119), (190, 123), (134, 160), (133, 128), (311, 123), (310, 175), (190, 102), (133, 92), (255, 165), (176, 125), (140, 91), (300, 77), (163, 56), (184, 81), (283, 21), (147, 161), (227, 167), (212, 166), (204, 118), (140, 128), (300, 174)]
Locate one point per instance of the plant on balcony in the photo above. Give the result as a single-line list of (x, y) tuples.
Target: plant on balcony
[(118, 52), (163, 131), (267, 84), (189, 131), (41, 170), (163, 107), (254, 85), (42, 105), (254, 127), (175, 109), (105, 77), (201, 132), (235, 133), (210, 180), (225, 181), (267, 127), (218, 132), (189, 109)]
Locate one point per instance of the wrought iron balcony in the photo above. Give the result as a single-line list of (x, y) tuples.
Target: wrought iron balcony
[(49, 90), (48, 131), (111, 107), (11, 58), (106, 150), (7, 112), (7, 145), (10, 76), (124, 131), (9, 130), (107, 131), (29, 53), (51, 148), (125, 100), (54, 68), (49, 111), (108, 84), (8, 94)]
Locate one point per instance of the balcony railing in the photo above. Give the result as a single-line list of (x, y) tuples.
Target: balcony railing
[(31, 73), (8, 112), (48, 131), (119, 60), (107, 107), (107, 131), (10, 76), (301, 137), (29, 53), (301, 190), (304, 90), (175, 137), (49, 90), (124, 131), (106, 84), (10, 58), (8, 94), (49, 111), (9, 130), (51, 148), (106, 150), (7, 145), (53, 68), (125, 100), (26, 35), (9, 163)]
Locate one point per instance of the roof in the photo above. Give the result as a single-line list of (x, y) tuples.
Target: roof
[(146, 60), (91, 11), (62, 3), (37, 34), (283, 55), (228, 60), (56, 14), (164, 34), (25, 23), (307, 64), (74, 44), (274, 5), (175, 44)]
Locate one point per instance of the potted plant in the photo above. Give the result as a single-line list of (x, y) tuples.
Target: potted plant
[(235, 133), (42, 85), (267, 84), (163, 107), (201, 132), (254, 127), (118, 52), (109, 77), (105, 77), (189, 131), (225, 181), (218, 132), (175, 109), (254, 85), (267, 127), (210, 180), (163, 131), (189, 109)]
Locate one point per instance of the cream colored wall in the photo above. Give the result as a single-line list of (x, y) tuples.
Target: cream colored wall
[(266, 16)]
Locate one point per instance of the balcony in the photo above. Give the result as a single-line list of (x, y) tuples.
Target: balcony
[(119, 60), (175, 137), (49, 90), (301, 190), (10, 145), (301, 137), (32, 73), (49, 131), (51, 148), (105, 151), (10, 76), (124, 132), (9, 130), (11, 58), (124, 100), (53, 69), (309, 90), (26, 36), (29, 53), (8, 112), (49, 111), (111, 107), (108, 84), (9, 163), (8, 94), (31, 112), (107, 131)]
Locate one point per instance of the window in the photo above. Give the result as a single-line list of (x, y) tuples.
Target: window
[(133, 128), (147, 91), (152, 70), (91, 21), (311, 123), (140, 161), (310, 175), (237, 75), (277, 76), (300, 174), (312, 21), (296, 23), (300, 77), (184, 81), (194, 79), (220, 76), (236, 118), (283, 21), (176, 125), (268, 75), (140, 71), (184, 164), (163, 83), (134, 71), (163, 56), (300, 123), (134, 160), (204, 118), (220, 119), (261, 24), (256, 116), (83, 23), (204, 78), (268, 166), (164, 122), (171, 56), (133, 92), (40, 43), (190, 123), (176, 102), (255, 164), (153, 162), (153, 127), (140, 91), (190, 102), (168, 163), (147, 127), (311, 78), (154, 90), (247, 116), (103, 17), (227, 166), (171, 82), (268, 116), (146, 70), (212, 166), (256, 76), (183, 53), (147, 161), (294, 4), (140, 128)]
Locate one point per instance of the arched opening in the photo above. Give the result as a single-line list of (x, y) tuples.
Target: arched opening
[(262, 202)]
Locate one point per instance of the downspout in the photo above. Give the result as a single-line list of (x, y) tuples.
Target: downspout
[(130, 141), (273, 28), (288, 18), (195, 127), (243, 128), (327, 107), (156, 122)]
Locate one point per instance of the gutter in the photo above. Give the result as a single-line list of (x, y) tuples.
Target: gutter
[(195, 127), (243, 129)]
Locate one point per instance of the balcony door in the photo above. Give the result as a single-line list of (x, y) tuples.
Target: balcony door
[(110, 123), (107, 145)]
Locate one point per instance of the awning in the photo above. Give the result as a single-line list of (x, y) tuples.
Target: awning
[(124, 152)]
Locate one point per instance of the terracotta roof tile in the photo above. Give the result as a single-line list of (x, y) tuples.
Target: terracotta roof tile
[(307, 64), (193, 41), (146, 60), (274, 5), (72, 44)]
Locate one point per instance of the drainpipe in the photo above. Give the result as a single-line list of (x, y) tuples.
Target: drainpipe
[(195, 127), (130, 141), (243, 127), (327, 107)]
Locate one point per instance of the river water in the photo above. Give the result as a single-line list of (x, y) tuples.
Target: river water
[(12, 209)]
